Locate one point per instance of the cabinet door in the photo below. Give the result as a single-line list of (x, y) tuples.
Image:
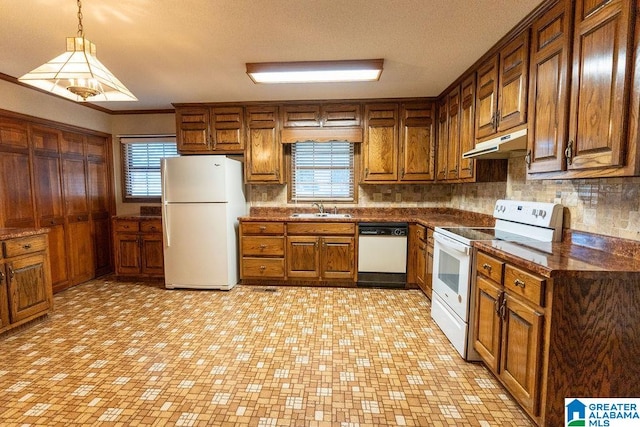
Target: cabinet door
[(306, 115), (416, 142), (16, 194), (380, 147), (521, 352), (101, 236), (151, 254), (338, 258), (599, 97), (227, 128), (4, 297), (421, 260), (487, 324), (75, 187), (453, 143), (58, 256), (28, 282), (548, 96), (487, 98), (80, 244), (13, 134), (192, 125), (428, 277), (466, 168), (514, 71), (443, 139), (99, 195), (127, 251), (340, 115), (263, 161), (303, 257)]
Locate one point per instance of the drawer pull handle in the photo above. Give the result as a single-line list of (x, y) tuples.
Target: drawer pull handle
[(52, 222), (263, 227), (27, 246), (263, 267), (126, 226), (263, 246), (519, 283), (1, 277), (486, 267)]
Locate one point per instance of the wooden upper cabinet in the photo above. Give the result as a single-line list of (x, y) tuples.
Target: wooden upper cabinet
[(453, 144), (192, 125), (443, 139), (602, 48), (72, 144), (75, 187), (263, 154), (320, 115), (16, 193), (514, 71), (548, 89), (466, 169), (416, 142), (501, 93), (13, 134), (45, 139), (487, 98), (227, 125), (380, 147)]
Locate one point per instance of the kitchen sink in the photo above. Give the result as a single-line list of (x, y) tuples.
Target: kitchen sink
[(320, 215)]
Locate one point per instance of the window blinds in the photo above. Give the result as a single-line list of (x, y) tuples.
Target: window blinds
[(141, 164), (322, 171)]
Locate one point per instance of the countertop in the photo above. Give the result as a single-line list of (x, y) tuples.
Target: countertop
[(138, 217), (12, 233)]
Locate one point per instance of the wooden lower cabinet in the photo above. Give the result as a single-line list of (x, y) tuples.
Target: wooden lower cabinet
[(420, 265), (138, 247), (261, 250), (25, 280)]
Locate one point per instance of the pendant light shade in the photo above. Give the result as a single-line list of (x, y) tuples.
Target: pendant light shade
[(77, 74)]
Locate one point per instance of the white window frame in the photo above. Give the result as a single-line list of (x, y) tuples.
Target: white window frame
[(323, 170), (148, 185)]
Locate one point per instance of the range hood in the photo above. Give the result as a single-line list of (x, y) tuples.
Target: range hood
[(502, 147)]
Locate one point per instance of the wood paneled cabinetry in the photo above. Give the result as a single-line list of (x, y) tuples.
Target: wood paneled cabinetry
[(263, 154), (262, 250), (206, 129), (321, 251), (138, 247), (25, 280), (501, 93), (420, 266), (398, 143), (600, 136), (321, 115), (56, 178), (509, 314)]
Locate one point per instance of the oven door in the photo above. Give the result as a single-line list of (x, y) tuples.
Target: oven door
[(451, 274)]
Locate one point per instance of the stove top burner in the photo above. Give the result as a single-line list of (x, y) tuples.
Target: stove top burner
[(469, 234)]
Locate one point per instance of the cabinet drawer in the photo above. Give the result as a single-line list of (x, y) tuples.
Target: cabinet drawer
[(528, 286), (24, 245), (263, 245), (489, 266), (325, 228), (421, 232), (124, 225), (263, 228), (154, 226), (263, 267)]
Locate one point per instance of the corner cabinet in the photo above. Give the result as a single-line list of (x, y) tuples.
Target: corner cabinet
[(138, 247), (398, 143), (25, 280), (263, 152)]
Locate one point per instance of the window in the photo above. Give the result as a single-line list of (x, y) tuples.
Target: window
[(322, 171), (141, 156)]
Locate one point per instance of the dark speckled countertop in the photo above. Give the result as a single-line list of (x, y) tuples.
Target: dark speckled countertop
[(12, 233), (138, 217)]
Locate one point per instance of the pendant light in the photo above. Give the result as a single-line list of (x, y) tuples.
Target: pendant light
[(77, 74)]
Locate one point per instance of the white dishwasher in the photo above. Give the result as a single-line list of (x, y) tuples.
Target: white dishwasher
[(382, 254)]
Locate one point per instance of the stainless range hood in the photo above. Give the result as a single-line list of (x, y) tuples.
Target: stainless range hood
[(502, 147)]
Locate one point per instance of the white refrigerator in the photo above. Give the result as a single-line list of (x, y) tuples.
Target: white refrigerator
[(202, 198)]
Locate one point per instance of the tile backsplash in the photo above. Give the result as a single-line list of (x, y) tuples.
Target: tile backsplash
[(609, 206)]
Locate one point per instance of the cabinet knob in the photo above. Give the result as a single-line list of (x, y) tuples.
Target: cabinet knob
[(568, 152), (263, 267), (263, 246), (1, 277), (527, 159), (263, 228), (519, 283), (487, 267), (11, 273), (52, 222), (27, 246)]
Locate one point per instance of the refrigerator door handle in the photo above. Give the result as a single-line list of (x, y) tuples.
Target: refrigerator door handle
[(165, 222)]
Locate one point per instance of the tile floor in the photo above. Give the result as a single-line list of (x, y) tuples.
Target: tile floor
[(117, 353)]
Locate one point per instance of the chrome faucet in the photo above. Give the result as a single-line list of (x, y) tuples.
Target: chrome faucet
[(319, 206)]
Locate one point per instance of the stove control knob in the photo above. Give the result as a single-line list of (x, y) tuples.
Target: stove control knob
[(542, 213), (535, 213)]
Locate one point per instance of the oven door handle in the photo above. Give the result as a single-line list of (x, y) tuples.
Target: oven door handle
[(451, 244)]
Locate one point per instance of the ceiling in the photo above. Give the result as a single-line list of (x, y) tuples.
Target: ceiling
[(168, 51)]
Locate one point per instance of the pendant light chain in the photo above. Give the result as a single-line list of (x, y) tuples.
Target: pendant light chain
[(80, 29)]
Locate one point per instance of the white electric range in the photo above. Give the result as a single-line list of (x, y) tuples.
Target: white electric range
[(453, 255)]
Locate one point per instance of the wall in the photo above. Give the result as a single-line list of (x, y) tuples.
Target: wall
[(608, 206)]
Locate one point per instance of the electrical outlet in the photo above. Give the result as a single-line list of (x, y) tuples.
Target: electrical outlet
[(264, 197), (398, 197)]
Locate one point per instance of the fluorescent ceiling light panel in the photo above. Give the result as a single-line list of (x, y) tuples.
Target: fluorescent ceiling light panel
[(365, 70)]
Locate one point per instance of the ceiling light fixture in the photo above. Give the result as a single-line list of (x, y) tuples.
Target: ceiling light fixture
[(77, 74), (363, 70)]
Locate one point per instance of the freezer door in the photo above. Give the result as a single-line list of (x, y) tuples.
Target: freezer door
[(200, 250), (194, 179)]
